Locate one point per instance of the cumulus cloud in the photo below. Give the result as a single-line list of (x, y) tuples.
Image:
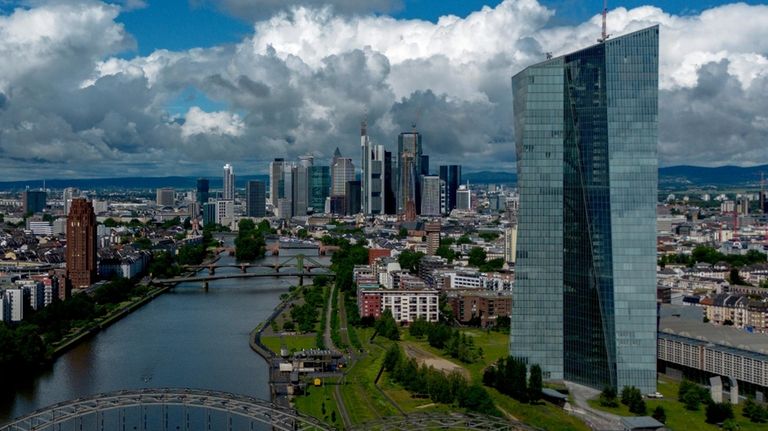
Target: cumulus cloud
[(306, 77), (199, 122), (254, 10)]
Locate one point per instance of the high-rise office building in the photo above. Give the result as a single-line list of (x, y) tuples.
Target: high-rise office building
[(67, 196), (276, 181), (407, 186), (463, 198), (225, 212), (354, 193), (33, 201), (342, 172), (372, 179), (319, 187), (209, 213), (433, 236), (81, 244), (203, 188), (255, 199), (584, 304), (432, 195), (451, 174), (390, 186), (285, 201), (300, 185), (409, 142), (166, 197), (424, 165), (229, 183), (510, 244)]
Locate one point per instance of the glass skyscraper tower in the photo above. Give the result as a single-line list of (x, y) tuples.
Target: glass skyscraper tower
[(584, 304)]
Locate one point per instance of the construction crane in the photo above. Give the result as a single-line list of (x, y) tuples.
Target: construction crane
[(605, 34)]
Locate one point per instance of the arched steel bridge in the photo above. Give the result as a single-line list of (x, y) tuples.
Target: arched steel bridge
[(92, 410), (129, 410)]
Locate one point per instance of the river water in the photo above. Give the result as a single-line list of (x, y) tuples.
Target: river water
[(186, 337)]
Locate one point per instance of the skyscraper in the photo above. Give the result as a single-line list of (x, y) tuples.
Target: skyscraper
[(276, 181), (202, 191), (451, 174), (255, 199), (372, 179), (81, 244), (432, 195), (300, 182), (229, 183), (165, 197), (342, 172), (319, 187), (67, 196), (463, 198), (390, 186), (409, 142), (407, 186), (33, 201), (352, 204), (584, 304)]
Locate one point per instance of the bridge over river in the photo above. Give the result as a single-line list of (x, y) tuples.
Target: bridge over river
[(300, 266)]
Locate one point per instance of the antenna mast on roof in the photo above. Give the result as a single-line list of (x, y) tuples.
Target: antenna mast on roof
[(605, 34)]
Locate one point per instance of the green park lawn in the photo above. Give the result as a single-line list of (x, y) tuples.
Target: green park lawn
[(319, 403), (678, 417), (294, 343)]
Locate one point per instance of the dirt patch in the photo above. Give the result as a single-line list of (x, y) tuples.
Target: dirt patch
[(436, 362)]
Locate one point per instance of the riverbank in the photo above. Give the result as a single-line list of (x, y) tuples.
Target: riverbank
[(114, 316)]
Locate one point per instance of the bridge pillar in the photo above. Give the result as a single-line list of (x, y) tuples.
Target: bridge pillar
[(243, 269), (212, 270), (301, 280), (205, 286)]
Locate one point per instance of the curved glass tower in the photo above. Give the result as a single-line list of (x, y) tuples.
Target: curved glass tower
[(584, 304)]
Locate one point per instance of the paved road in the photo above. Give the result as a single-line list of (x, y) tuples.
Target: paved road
[(596, 419), (327, 330)]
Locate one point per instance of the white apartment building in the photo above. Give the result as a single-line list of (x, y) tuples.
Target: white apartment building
[(409, 305)]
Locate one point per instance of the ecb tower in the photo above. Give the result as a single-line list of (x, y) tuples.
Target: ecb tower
[(584, 305)]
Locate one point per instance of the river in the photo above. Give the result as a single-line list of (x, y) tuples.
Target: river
[(186, 337)]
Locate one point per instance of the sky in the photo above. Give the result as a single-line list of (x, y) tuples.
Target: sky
[(179, 87)]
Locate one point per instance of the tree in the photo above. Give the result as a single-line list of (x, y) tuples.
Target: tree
[(110, 222), (477, 256), (402, 233), (392, 357), (735, 278), (755, 412), (464, 239), (608, 397), (476, 398), (246, 225), (718, 412), (387, 327), (446, 253), (409, 260), (534, 383), (659, 414), (691, 401)]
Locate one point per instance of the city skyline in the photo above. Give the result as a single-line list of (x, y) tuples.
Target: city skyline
[(173, 112)]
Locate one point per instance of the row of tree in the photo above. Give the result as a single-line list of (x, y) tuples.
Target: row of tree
[(439, 387), (510, 377), (441, 336), (306, 315), (712, 256), (28, 346)]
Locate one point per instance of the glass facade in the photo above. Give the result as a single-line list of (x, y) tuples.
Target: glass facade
[(586, 131)]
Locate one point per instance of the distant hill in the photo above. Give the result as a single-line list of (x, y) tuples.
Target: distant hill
[(489, 177), (678, 177), (127, 183), (670, 178)]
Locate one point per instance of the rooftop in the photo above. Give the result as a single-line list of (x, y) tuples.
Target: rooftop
[(687, 321)]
